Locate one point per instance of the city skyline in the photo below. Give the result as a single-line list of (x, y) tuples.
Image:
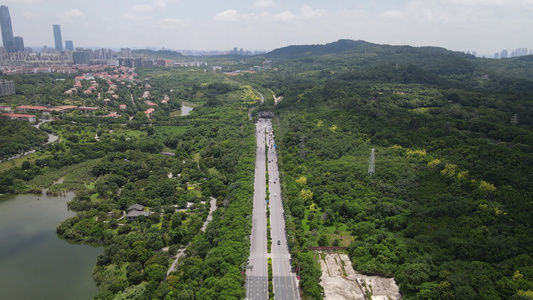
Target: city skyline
[(469, 25)]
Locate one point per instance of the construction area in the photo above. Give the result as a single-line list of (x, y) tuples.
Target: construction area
[(340, 281)]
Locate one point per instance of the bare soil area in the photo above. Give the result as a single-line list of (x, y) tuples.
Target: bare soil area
[(340, 281)]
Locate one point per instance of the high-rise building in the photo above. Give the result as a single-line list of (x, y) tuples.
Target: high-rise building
[(57, 37), (19, 44), (7, 29), (125, 52), (7, 87), (504, 54), (69, 45)]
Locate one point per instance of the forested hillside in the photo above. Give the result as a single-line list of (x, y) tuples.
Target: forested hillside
[(448, 212), (159, 54), (360, 60)]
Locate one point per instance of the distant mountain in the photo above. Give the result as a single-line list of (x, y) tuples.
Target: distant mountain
[(165, 54), (350, 46), (308, 50), (407, 64)]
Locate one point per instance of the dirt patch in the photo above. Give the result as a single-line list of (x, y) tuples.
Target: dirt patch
[(340, 281)]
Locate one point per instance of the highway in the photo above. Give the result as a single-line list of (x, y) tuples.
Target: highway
[(284, 280), (257, 268), (285, 284)]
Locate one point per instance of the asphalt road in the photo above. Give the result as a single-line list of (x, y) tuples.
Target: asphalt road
[(257, 268), (285, 284)]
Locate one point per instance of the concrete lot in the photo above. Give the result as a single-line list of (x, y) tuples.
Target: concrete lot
[(340, 281)]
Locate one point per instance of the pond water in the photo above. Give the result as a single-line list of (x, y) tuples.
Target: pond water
[(34, 262), (186, 108)]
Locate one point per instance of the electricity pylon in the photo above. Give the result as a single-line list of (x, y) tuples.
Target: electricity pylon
[(371, 165)]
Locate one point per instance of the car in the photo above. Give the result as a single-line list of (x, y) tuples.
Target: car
[(279, 243)]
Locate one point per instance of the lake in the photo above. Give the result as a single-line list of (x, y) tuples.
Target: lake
[(34, 262)]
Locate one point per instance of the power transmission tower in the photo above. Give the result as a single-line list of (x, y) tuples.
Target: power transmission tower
[(371, 165), (514, 119)]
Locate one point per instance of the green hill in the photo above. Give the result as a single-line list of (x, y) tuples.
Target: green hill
[(165, 54), (406, 64)]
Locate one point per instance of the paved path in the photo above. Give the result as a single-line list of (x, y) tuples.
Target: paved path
[(250, 110), (181, 252)]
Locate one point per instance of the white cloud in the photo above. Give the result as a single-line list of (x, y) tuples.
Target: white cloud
[(29, 15), (70, 15), (139, 12), (173, 21), (142, 8), (391, 14), (229, 15), (308, 12), (285, 16), (23, 1), (264, 4), (160, 4), (73, 13), (482, 2)]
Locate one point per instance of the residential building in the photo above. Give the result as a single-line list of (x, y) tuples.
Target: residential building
[(81, 57), (57, 37), (30, 118), (19, 44), (25, 108), (7, 87), (136, 210), (112, 114), (149, 112), (7, 29), (87, 109)]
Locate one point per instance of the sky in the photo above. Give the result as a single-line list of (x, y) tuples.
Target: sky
[(485, 26)]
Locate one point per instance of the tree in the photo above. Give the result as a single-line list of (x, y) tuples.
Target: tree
[(154, 273), (412, 276), (26, 165), (306, 195), (323, 240)]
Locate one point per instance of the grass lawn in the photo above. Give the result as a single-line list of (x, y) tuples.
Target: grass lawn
[(171, 130), (18, 161), (135, 133), (197, 157)]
